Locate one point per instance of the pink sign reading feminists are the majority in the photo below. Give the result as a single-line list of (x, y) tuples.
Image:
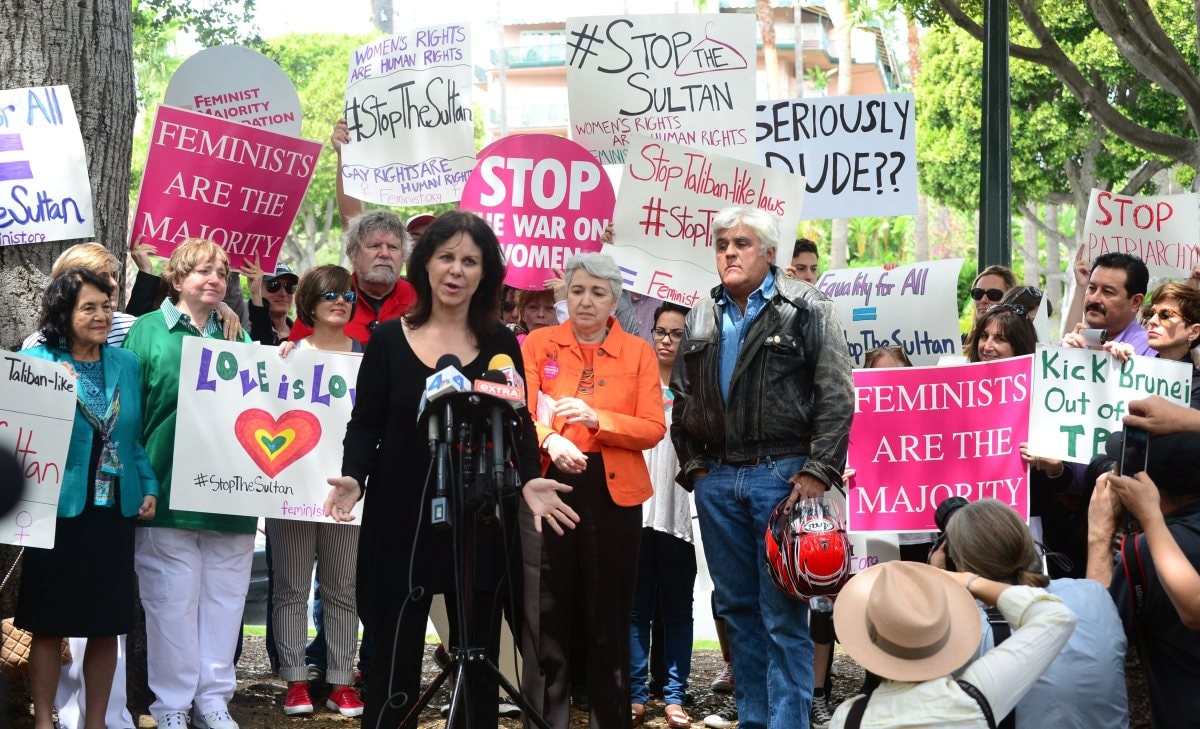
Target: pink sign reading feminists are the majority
[(924, 434), (233, 184), (546, 198)]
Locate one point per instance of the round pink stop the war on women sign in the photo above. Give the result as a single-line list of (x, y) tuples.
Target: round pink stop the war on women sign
[(546, 197)]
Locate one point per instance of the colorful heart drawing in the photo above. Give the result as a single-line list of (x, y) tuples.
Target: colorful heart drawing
[(276, 443)]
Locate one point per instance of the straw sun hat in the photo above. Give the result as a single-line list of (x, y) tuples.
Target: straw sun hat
[(907, 621)]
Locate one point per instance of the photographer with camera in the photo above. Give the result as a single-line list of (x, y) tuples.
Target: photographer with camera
[(1084, 686)]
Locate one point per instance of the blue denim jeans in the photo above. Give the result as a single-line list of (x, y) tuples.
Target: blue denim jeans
[(666, 569), (768, 631)]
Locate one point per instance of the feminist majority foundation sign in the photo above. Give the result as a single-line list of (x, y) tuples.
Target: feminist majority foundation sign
[(233, 184), (545, 197), (44, 190), (662, 227), (858, 154), (1080, 396), (1162, 230), (408, 105), (257, 435), (923, 434), (912, 306), (238, 84), (37, 413), (685, 79)]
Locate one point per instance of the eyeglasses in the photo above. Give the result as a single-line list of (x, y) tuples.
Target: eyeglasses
[(274, 286), (1164, 314), (992, 294), (660, 333), (1014, 308), (349, 296)]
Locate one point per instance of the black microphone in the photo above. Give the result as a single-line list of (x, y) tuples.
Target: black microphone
[(441, 382)]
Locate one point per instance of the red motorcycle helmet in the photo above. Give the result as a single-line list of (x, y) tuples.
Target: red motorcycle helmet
[(807, 552)]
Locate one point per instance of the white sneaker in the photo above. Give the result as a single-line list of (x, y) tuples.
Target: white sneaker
[(215, 720), (723, 719), (173, 720), (820, 716)]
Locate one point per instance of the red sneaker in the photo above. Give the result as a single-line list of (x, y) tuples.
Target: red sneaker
[(298, 700), (345, 701)]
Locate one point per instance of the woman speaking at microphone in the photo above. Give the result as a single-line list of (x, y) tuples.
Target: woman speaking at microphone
[(457, 271), (596, 393)]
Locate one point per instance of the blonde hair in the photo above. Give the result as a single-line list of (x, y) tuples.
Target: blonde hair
[(988, 538), (190, 254), (92, 256)]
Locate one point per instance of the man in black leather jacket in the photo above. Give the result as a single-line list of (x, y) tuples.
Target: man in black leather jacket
[(763, 404)]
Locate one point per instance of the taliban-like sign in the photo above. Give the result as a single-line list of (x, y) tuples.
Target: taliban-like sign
[(37, 413), (923, 434), (258, 435), (662, 227), (237, 84), (912, 306), (1080, 396), (412, 129), (685, 79), (858, 154), (44, 190), (545, 197), (233, 184), (1162, 230)]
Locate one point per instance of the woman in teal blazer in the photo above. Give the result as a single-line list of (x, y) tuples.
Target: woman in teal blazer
[(84, 586)]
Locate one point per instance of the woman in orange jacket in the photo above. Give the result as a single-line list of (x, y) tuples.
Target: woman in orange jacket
[(597, 403)]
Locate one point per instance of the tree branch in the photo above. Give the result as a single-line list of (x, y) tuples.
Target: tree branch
[(1031, 215), (1143, 174)]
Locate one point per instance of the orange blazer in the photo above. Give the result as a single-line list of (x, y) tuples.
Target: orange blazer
[(628, 399)]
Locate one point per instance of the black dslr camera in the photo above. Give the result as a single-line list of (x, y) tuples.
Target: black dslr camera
[(941, 517)]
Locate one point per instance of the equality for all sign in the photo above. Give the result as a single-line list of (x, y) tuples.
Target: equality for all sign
[(44, 190), (685, 79), (233, 184), (662, 227), (1080, 396), (1162, 230), (275, 426), (238, 84), (37, 412), (857, 153), (911, 306), (545, 197), (408, 105), (923, 434)]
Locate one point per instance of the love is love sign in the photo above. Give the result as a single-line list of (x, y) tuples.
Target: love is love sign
[(257, 435)]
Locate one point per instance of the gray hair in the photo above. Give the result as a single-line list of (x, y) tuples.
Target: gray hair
[(764, 225), (598, 265), (374, 221)]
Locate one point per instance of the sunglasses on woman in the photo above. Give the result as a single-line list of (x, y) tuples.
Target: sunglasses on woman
[(274, 286), (332, 296), (1017, 309), (992, 294), (1164, 314)]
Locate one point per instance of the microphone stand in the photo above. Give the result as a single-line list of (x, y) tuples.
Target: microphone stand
[(469, 662)]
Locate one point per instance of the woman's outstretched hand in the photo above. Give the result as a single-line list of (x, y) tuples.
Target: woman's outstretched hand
[(542, 497)]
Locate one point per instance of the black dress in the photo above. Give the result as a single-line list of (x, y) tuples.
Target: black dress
[(83, 588), (402, 560)]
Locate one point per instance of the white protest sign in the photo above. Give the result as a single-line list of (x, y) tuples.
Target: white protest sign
[(37, 413), (408, 105), (237, 84), (912, 306), (857, 153), (44, 189), (257, 435), (1162, 230), (686, 79), (668, 198), (1080, 396)]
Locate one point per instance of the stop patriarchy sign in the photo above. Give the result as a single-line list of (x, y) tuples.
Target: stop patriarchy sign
[(546, 198)]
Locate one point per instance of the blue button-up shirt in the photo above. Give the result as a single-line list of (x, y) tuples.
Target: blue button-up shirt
[(735, 323)]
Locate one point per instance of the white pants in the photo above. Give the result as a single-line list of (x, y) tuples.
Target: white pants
[(193, 586), (70, 695)]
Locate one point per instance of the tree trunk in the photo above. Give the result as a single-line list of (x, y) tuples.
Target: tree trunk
[(766, 25), (1029, 251), (87, 45), (1054, 272), (843, 29), (921, 230)]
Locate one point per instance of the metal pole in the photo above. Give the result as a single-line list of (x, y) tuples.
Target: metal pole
[(995, 181)]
